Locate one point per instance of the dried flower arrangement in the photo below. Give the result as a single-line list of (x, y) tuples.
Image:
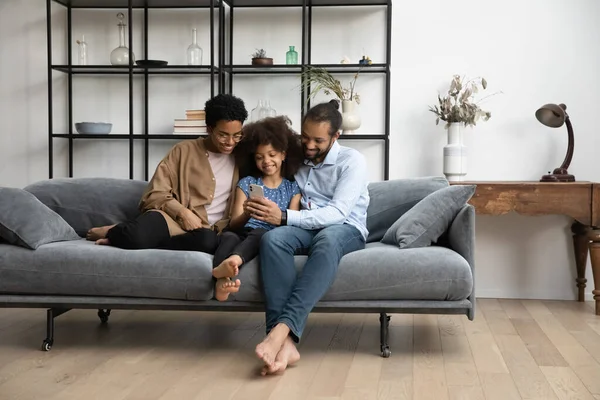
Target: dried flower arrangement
[(459, 105), (321, 79)]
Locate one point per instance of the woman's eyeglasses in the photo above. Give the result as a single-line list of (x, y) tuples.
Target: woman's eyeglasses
[(224, 138)]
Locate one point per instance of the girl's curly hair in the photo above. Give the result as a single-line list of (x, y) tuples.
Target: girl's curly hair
[(277, 132)]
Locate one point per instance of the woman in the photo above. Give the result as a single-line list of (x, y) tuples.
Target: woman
[(188, 200)]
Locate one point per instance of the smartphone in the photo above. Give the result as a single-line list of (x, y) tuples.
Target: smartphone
[(256, 191)]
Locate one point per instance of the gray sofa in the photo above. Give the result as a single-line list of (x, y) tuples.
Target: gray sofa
[(434, 273)]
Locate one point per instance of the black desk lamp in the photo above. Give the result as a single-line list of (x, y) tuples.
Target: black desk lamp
[(555, 116)]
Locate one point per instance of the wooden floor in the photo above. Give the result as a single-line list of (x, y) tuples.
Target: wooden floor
[(513, 350)]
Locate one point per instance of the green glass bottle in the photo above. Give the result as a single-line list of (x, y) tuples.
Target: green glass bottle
[(291, 57)]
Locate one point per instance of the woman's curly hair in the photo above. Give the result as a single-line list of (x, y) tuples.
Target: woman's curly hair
[(277, 132)]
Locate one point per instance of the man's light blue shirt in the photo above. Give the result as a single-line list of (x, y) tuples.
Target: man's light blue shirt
[(333, 192)]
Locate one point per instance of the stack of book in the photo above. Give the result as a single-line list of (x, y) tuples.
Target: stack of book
[(194, 123)]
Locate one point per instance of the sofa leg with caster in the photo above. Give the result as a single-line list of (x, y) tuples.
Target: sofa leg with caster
[(384, 330), (103, 315), (50, 315)]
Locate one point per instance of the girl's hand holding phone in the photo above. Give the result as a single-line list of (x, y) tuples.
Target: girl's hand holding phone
[(263, 209)]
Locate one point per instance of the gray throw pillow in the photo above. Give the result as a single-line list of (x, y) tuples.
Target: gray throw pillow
[(25, 221), (427, 221)]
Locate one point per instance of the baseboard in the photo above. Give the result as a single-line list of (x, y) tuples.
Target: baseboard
[(503, 294)]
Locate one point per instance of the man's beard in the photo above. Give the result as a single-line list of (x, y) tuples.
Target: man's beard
[(320, 154)]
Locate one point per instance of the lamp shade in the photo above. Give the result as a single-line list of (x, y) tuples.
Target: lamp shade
[(552, 115)]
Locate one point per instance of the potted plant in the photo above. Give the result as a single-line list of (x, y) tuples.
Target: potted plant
[(260, 58), (316, 79), (456, 108)]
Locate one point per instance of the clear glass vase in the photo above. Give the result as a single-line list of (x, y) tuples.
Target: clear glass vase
[(257, 112), (194, 52), (270, 111), (120, 55), (82, 54)]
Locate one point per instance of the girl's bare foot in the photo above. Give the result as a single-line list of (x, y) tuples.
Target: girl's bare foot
[(224, 287), (287, 356), (228, 268), (268, 349), (104, 242), (98, 233)]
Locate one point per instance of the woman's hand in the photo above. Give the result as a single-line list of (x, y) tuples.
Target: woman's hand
[(263, 210), (188, 220)]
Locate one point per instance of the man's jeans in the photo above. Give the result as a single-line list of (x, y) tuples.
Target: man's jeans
[(290, 297)]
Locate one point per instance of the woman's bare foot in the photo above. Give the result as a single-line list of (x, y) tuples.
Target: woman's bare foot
[(98, 233), (224, 287), (287, 356), (104, 242), (268, 349), (230, 267)]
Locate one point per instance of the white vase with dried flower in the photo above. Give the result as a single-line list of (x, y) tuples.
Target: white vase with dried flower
[(318, 78), (455, 154), (456, 109), (350, 118)]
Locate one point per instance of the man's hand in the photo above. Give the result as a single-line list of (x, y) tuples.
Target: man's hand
[(188, 220), (264, 210)]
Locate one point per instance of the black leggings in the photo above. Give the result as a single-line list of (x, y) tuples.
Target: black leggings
[(150, 231), (244, 243)]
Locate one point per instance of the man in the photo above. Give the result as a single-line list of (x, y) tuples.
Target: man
[(188, 200), (332, 223)]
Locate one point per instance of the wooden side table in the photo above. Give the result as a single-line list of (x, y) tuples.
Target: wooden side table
[(578, 200)]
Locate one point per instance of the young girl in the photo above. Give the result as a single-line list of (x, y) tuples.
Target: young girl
[(275, 154)]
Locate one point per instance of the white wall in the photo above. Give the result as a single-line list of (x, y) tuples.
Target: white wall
[(535, 52)]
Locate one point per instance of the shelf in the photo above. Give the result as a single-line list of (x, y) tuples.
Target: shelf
[(263, 69), (361, 136), (206, 3), (352, 68), (138, 3), (168, 136), (124, 70), (298, 3), (114, 136), (297, 69)]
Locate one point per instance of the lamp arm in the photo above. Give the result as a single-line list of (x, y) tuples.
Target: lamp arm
[(569, 156)]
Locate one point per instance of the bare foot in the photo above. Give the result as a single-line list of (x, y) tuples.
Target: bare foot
[(287, 356), (228, 268), (104, 242), (224, 287), (98, 233), (268, 349)]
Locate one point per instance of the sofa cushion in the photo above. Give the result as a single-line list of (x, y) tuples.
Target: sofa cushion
[(389, 200), (83, 268), (423, 224), (379, 272), (383, 272), (89, 202), (26, 222)]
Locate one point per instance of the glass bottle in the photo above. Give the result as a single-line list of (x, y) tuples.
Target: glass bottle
[(82, 51), (256, 113), (194, 52), (291, 57), (120, 55), (270, 111)]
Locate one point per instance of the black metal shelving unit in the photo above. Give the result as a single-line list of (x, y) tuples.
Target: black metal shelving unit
[(133, 71), (229, 70), (220, 69)]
